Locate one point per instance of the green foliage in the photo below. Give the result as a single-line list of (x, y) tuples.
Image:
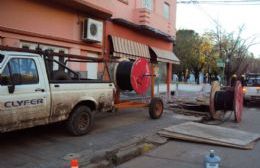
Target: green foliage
[(194, 51), (200, 52)]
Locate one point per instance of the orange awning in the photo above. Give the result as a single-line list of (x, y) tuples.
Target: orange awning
[(122, 47), (165, 56)]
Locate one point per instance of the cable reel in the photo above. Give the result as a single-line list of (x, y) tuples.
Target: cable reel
[(226, 99)]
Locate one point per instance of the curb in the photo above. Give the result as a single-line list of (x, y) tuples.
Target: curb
[(123, 152)]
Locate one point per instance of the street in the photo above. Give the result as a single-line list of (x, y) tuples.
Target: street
[(46, 146), (147, 65), (182, 154), (49, 146)]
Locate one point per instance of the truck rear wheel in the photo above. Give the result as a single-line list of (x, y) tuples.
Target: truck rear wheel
[(80, 121), (156, 108)]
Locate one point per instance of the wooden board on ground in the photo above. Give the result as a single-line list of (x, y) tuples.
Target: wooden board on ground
[(202, 140), (202, 133)]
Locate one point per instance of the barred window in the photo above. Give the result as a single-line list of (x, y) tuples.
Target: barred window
[(1, 58), (166, 10)]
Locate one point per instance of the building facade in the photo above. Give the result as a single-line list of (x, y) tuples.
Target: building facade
[(97, 28), (55, 25), (143, 28)]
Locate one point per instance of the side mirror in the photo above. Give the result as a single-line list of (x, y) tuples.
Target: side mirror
[(4, 80), (15, 79), (11, 88)]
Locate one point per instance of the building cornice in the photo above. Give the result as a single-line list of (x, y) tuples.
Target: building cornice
[(85, 7), (144, 29)]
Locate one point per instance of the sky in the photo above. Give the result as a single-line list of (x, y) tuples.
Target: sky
[(230, 18)]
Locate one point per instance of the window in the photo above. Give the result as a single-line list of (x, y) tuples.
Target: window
[(20, 71), (1, 58), (124, 1), (43, 47), (166, 10), (148, 4), (253, 81), (5, 77)]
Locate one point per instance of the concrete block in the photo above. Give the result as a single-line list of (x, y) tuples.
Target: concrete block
[(126, 155)]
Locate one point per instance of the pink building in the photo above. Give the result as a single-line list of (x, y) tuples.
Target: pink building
[(143, 28), (56, 25), (97, 28)]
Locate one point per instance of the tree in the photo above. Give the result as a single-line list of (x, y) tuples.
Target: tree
[(232, 48), (207, 51), (253, 65), (183, 49), (192, 50)]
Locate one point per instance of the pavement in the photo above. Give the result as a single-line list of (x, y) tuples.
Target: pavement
[(52, 147), (181, 154), (182, 87)]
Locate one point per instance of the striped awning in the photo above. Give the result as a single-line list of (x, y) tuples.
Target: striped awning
[(125, 48), (165, 56)]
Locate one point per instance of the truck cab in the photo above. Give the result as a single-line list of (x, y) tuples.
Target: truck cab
[(251, 87), (30, 96)]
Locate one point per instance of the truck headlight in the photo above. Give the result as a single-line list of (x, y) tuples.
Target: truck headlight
[(244, 90)]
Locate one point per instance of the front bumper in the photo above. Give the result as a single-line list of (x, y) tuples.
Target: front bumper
[(251, 98)]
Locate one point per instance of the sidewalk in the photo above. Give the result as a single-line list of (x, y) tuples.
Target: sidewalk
[(181, 87), (181, 154)]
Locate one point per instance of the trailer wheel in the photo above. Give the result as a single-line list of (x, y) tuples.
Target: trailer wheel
[(156, 108), (80, 121)]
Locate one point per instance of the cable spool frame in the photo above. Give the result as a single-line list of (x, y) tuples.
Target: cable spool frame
[(134, 104)]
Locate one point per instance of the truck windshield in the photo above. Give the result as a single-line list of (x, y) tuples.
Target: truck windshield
[(1, 58), (253, 80)]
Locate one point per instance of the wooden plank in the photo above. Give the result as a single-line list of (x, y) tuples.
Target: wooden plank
[(202, 140), (212, 134)]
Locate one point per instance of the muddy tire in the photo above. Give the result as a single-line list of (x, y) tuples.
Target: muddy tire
[(156, 108), (80, 121)]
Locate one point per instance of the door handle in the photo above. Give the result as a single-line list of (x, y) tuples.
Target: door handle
[(56, 86), (39, 90)]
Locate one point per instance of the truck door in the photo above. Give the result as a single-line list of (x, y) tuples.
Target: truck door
[(28, 104)]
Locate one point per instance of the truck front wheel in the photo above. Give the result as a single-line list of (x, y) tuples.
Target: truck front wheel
[(80, 121)]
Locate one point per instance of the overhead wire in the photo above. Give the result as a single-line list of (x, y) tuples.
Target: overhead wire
[(206, 13), (221, 2)]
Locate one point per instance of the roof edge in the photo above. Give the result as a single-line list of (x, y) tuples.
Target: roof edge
[(86, 7), (145, 29)]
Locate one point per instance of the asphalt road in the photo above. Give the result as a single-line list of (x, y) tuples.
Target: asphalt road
[(180, 154), (48, 146)]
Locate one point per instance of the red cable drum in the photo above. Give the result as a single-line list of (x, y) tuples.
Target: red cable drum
[(134, 75), (140, 76), (238, 101)]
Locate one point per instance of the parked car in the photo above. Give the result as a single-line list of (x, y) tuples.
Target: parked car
[(251, 87)]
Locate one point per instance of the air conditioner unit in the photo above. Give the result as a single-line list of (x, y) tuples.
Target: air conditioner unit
[(92, 30)]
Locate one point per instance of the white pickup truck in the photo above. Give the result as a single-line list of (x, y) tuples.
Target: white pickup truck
[(251, 88), (29, 96)]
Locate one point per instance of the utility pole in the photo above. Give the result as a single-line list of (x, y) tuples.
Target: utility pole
[(228, 69)]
